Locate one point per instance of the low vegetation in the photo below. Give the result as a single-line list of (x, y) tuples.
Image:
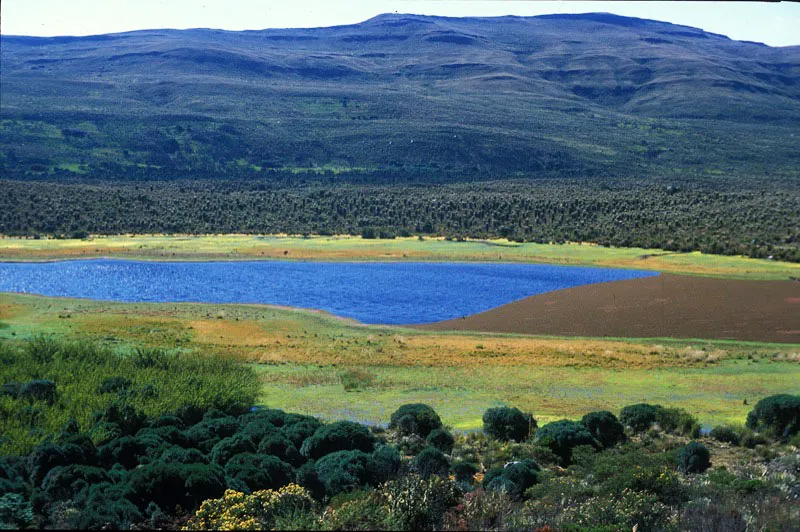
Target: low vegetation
[(233, 466)]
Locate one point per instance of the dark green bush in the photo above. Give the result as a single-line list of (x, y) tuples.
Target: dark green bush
[(167, 420), (563, 436), (431, 461), (169, 485), (415, 418), (128, 450), (308, 478), (125, 416), (338, 436), (169, 434), (63, 482), (279, 445), (384, 464), (47, 456), (342, 471), (114, 384), (259, 472), (464, 471), (514, 478), (103, 506), (298, 432), (12, 471), (11, 389), (726, 434), (694, 458), (15, 512), (207, 433), (39, 390), (442, 440), (605, 427), (639, 417), (506, 424), (778, 414), (181, 455), (677, 421), (227, 448)]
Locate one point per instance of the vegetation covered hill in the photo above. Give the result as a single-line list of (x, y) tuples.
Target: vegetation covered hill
[(592, 127), (565, 95)]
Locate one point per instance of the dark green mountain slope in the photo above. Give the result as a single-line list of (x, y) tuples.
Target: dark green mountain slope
[(402, 97)]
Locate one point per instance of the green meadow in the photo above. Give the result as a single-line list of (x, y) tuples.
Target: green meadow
[(356, 248), (310, 362)]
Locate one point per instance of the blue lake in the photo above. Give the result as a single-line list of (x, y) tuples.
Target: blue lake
[(390, 293)]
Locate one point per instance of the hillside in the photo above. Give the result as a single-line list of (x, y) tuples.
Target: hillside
[(403, 96)]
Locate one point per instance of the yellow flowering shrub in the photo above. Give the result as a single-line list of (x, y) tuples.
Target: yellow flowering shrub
[(257, 511)]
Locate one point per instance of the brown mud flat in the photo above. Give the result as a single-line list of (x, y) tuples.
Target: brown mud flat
[(676, 306)]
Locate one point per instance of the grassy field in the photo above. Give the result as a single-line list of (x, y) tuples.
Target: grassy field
[(247, 247), (315, 363)]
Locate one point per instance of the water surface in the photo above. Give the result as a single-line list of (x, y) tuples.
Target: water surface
[(384, 292)]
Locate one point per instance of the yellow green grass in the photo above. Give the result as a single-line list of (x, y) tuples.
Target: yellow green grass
[(316, 363), (355, 248)]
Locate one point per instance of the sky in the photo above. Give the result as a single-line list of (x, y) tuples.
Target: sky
[(774, 23)]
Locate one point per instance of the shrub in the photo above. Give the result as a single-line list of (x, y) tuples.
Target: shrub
[(299, 431), (169, 485), (384, 464), (464, 471), (125, 416), (259, 472), (207, 433), (15, 512), (726, 434), (431, 461), (279, 445), (227, 448), (342, 471), (506, 424), (258, 511), (39, 390), (514, 478), (104, 506), (181, 455), (167, 420), (338, 436), (563, 436), (677, 421), (442, 440), (694, 458), (605, 427), (63, 482), (415, 418), (128, 450), (415, 503), (11, 389), (114, 385), (778, 414), (46, 457), (361, 513), (639, 417)]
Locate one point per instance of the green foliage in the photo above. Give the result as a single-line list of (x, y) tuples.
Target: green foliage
[(343, 471), (464, 471), (506, 424), (605, 427), (338, 436), (227, 448), (416, 418), (441, 439), (563, 436), (677, 421), (77, 370), (624, 511), (431, 462), (384, 464), (15, 512), (639, 417), (415, 503), (778, 414), (514, 478), (259, 472), (726, 434), (169, 485), (694, 458), (114, 384)]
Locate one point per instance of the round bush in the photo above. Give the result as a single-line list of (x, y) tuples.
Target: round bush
[(639, 417), (114, 385), (442, 440), (384, 464), (279, 445), (779, 414), (506, 424), (605, 427), (725, 434), (694, 458), (342, 471), (431, 461), (464, 471), (415, 418), (39, 390), (230, 447), (339, 436), (563, 436), (514, 478), (259, 472)]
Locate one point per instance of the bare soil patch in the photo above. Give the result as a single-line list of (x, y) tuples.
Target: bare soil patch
[(676, 306)]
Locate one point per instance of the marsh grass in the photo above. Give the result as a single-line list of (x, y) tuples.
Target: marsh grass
[(160, 382)]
